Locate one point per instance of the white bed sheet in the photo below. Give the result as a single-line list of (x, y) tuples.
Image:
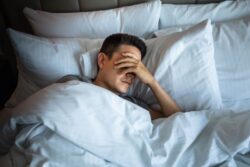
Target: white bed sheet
[(59, 126)]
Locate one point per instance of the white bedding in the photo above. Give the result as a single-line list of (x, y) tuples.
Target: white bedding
[(61, 126)]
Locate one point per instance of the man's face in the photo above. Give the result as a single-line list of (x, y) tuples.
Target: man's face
[(116, 80)]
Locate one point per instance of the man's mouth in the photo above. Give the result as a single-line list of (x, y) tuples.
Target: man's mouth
[(126, 82)]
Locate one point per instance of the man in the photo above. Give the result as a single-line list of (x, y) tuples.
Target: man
[(119, 62)]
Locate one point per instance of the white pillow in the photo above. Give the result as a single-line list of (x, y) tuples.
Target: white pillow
[(232, 57), (140, 20), (42, 61), (88, 62), (183, 63), (176, 15)]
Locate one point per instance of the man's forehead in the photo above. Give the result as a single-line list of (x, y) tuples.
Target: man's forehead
[(124, 48), (127, 47)]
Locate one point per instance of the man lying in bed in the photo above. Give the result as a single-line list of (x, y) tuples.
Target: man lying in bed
[(119, 62)]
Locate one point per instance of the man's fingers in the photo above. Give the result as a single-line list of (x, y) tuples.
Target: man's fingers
[(125, 65), (128, 70), (128, 54), (131, 60)]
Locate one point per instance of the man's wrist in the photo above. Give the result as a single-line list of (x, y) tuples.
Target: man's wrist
[(152, 83)]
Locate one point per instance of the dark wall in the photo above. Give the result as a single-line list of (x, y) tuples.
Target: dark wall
[(7, 65)]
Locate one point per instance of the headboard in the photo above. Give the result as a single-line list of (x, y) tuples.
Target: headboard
[(11, 16)]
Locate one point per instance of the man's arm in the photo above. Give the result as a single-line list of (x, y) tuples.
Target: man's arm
[(132, 65), (168, 106)]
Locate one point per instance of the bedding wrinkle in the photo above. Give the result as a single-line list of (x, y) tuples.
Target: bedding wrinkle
[(191, 135), (54, 45), (230, 124)]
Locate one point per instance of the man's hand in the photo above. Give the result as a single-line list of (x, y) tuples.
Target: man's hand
[(130, 63)]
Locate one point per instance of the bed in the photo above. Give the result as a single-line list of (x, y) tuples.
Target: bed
[(198, 50)]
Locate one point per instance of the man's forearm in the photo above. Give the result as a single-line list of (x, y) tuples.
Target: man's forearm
[(167, 104)]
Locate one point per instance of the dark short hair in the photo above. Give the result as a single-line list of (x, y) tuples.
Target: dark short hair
[(113, 42)]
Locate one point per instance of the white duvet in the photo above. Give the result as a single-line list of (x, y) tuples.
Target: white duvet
[(79, 124)]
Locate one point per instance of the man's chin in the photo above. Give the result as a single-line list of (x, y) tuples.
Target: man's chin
[(123, 90)]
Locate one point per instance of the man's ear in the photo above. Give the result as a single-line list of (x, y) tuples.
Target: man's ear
[(101, 60)]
